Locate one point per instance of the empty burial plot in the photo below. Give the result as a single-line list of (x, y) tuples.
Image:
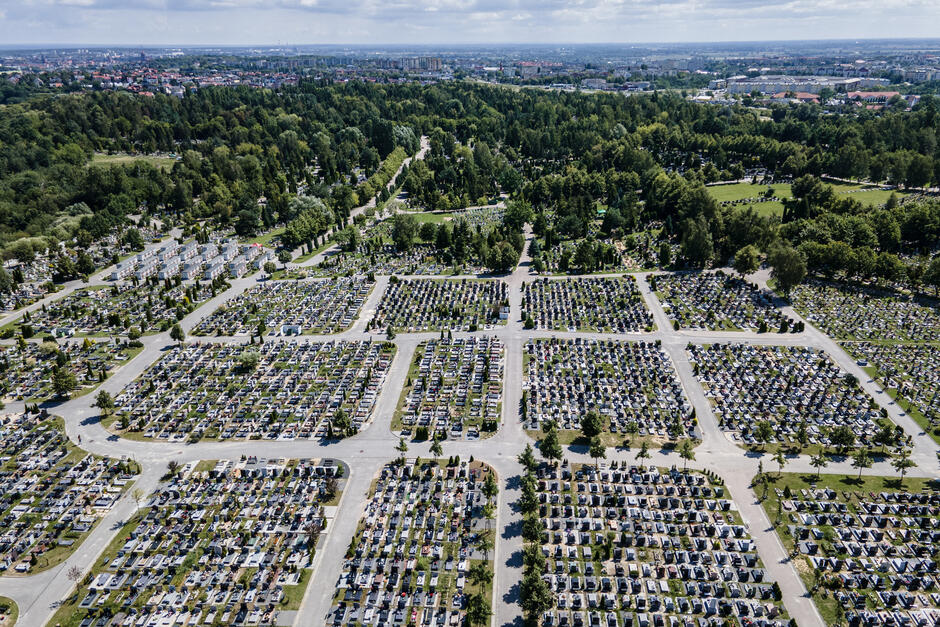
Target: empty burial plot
[(290, 308), (866, 549), (716, 302), (798, 391), (624, 546), (53, 493), (217, 543), (279, 390), (436, 304), (608, 304), (853, 312), (422, 536), (632, 385), (454, 389)]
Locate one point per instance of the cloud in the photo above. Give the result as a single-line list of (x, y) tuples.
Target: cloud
[(458, 21)]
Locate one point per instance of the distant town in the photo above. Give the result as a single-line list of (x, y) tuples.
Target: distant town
[(833, 74)]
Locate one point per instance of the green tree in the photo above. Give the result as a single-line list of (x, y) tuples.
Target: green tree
[(177, 334), (63, 381), (902, 461), (861, 460), (527, 458), (687, 454), (643, 454), (597, 450), (104, 402), (818, 461), (535, 596), (746, 260), (592, 424), (788, 267), (549, 446), (404, 231), (478, 610)]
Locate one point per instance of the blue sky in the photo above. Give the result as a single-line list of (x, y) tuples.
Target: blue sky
[(250, 22)]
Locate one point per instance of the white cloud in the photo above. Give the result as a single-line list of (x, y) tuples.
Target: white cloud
[(458, 21)]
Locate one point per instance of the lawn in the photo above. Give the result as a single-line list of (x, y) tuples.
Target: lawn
[(434, 218), (867, 195), (9, 612), (124, 159), (264, 239), (740, 191)]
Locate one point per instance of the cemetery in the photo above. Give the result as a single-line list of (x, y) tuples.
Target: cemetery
[(627, 546), (856, 312), (101, 310), (290, 308), (53, 493), (607, 304), (866, 549), (909, 372), (442, 304), (715, 301), (798, 394), (277, 390), (454, 389), (34, 371), (421, 543), (227, 542), (632, 385)]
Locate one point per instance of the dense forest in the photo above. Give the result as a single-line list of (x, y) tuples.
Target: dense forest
[(593, 167)]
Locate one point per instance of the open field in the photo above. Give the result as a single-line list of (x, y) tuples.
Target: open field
[(124, 159)]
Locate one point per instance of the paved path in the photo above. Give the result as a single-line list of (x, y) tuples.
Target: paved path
[(373, 446)]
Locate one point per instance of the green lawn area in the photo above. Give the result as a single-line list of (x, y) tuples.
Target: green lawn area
[(740, 191), (264, 239), (9, 612), (124, 159), (316, 251), (434, 218), (870, 195)]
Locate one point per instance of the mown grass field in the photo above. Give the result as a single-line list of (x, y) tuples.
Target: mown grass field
[(123, 159), (867, 195)]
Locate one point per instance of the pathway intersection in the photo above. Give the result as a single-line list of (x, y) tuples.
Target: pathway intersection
[(365, 453)]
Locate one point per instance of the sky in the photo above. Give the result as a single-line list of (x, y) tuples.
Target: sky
[(297, 22)]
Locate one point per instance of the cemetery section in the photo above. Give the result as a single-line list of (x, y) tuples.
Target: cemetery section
[(605, 304), (53, 492), (118, 309), (908, 372), (857, 312), (39, 371), (277, 390), (865, 549), (454, 389), (632, 385), (715, 301), (290, 308), (423, 547), (782, 395), (626, 546), (218, 543), (442, 304)]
